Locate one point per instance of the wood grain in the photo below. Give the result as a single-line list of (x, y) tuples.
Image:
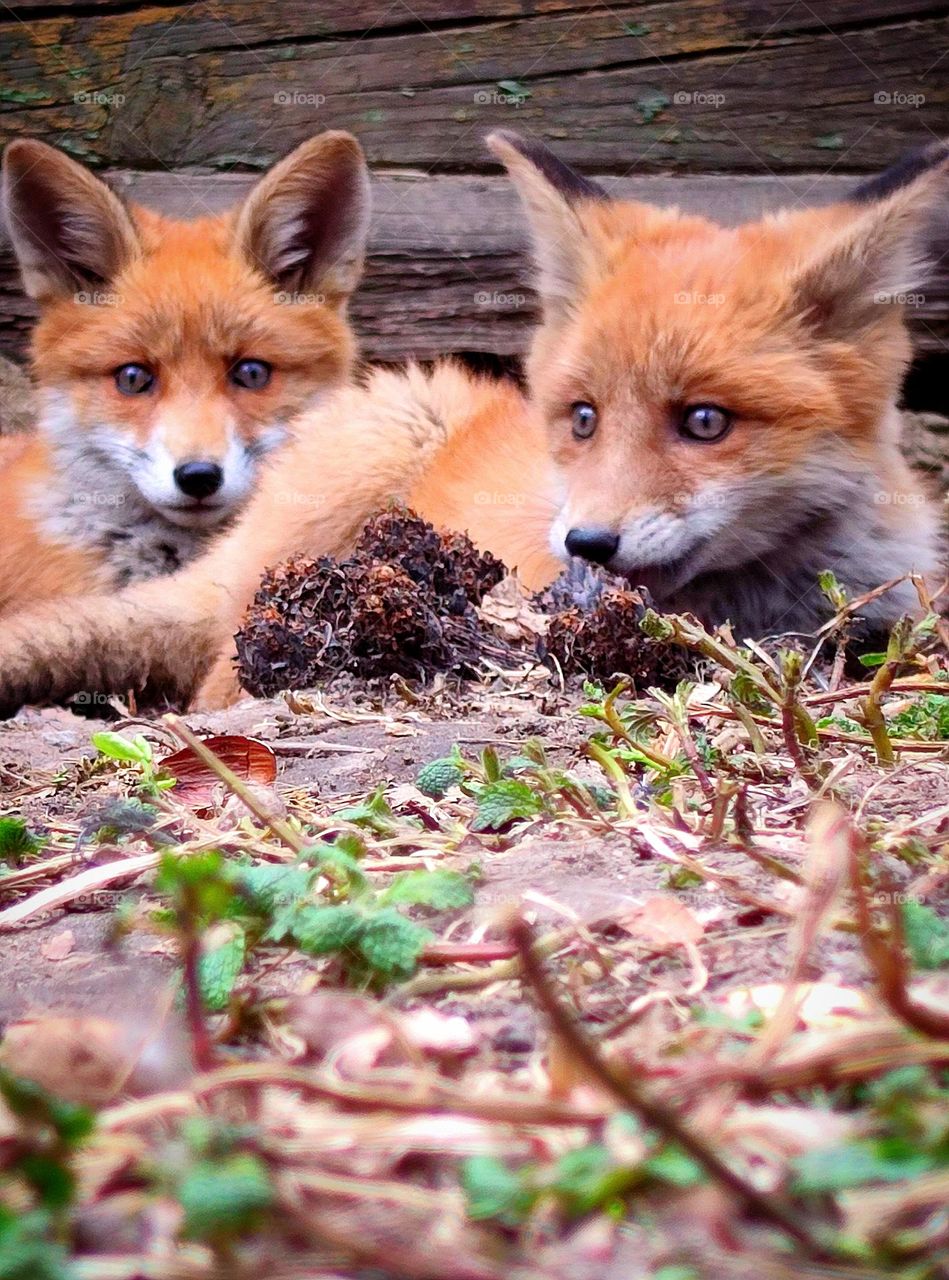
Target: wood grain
[(447, 271), (752, 86)]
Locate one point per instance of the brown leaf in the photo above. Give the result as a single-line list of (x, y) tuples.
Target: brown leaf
[(508, 609), (59, 946), (198, 786), (93, 1060), (663, 923)]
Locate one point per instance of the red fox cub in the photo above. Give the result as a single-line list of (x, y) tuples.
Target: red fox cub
[(711, 413), (170, 358)]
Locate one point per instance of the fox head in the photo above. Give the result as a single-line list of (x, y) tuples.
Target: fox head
[(177, 352), (712, 395)]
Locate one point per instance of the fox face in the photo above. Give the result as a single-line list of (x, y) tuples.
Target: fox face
[(173, 355), (720, 399)]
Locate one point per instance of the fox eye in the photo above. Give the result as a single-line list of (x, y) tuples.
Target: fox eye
[(134, 379), (250, 374), (583, 415), (704, 422)]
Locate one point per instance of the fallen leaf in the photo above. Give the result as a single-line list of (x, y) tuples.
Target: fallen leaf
[(198, 786), (59, 946), (93, 1060), (508, 610), (440, 1034), (663, 923), (819, 1004)]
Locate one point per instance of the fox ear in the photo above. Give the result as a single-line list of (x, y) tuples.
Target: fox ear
[(306, 222), (901, 174), (884, 251), (550, 192), (68, 230)]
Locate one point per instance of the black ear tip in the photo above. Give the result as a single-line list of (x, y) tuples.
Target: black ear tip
[(570, 184), (905, 171)]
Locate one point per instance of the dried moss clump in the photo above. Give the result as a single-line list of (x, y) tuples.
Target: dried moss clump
[(594, 631), (448, 564), (402, 604)]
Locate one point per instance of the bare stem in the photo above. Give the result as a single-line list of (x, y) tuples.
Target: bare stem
[(656, 1115)]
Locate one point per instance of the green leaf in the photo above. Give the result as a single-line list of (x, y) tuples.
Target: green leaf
[(842, 723), (338, 864), (201, 885), (224, 1197), (637, 28), (438, 777), (490, 764), (269, 886), (872, 659), (117, 747), (503, 802), (441, 890), (927, 719), (320, 931), (28, 1248), (672, 1165), (391, 944), (603, 797), (53, 1182), (650, 103), (493, 1190), (855, 1165), (514, 88), (16, 841), (927, 936), (374, 813), (30, 1101), (588, 1179), (219, 969)]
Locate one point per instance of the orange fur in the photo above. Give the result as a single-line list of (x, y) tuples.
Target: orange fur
[(187, 300), (645, 313)]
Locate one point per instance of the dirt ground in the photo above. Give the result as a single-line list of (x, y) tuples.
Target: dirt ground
[(325, 761)]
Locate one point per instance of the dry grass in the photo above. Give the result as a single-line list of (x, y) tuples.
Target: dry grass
[(738, 1063)]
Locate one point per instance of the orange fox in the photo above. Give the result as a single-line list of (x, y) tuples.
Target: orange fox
[(170, 358), (711, 413)]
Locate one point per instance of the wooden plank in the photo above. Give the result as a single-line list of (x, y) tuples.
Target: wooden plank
[(747, 87), (446, 271)]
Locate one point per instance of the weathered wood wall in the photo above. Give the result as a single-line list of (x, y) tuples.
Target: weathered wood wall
[(784, 102)]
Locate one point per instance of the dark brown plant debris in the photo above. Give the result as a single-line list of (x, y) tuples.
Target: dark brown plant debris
[(594, 631), (402, 604)]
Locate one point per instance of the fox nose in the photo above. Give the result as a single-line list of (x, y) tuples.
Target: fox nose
[(199, 479), (597, 545)]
